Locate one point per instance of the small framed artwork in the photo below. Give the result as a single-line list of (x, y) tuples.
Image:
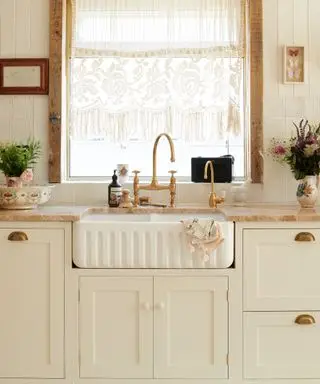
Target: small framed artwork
[(294, 65), (24, 76)]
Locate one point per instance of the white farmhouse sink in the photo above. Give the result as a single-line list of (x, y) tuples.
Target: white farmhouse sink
[(155, 240), (119, 218), (147, 218)]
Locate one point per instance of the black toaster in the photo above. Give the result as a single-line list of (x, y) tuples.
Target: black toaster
[(223, 169)]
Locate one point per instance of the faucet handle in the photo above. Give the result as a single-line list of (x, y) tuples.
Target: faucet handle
[(172, 188), (136, 188)]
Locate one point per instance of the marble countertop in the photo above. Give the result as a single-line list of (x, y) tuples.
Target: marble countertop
[(248, 213)]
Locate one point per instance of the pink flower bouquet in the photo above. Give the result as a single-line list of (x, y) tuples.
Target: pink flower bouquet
[(301, 152)]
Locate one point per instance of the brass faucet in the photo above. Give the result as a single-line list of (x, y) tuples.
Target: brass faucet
[(214, 200), (154, 185)]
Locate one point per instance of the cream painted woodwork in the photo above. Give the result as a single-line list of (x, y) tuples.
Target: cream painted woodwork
[(279, 272), (116, 327), (191, 327), (162, 327), (153, 325), (275, 347), (32, 304)]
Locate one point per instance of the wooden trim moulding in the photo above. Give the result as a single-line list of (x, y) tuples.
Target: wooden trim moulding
[(256, 89), (55, 89)]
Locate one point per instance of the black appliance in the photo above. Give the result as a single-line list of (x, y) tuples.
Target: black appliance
[(223, 169)]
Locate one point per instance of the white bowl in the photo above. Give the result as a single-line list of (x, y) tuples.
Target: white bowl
[(26, 197)]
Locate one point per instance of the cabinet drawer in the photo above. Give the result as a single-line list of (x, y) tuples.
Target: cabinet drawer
[(276, 347), (281, 269)]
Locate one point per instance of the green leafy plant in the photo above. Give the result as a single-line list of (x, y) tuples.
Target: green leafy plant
[(15, 158)]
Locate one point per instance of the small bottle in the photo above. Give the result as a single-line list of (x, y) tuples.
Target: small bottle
[(114, 191)]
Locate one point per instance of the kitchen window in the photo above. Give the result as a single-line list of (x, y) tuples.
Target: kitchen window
[(137, 68)]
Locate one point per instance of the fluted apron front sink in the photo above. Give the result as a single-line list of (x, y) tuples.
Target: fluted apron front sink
[(144, 241)]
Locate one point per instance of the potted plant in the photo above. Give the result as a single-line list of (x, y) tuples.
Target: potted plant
[(302, 153), (18, 160)]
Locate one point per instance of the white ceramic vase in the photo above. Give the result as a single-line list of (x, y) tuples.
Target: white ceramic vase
[(307, 191)]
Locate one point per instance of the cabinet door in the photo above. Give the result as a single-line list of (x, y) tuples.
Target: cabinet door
[(32, 303), (116, 327), (281, 269), (191, 327), (276, 347)]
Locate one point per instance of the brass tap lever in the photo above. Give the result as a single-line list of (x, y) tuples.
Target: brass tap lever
[(214, 200), (136, 187), (172, 188)]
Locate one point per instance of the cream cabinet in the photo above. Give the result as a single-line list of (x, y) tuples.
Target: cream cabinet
[(161, 327), (116, 327), (282, 345), (281, 300), (32, 266), (191, 327), (281, 269)]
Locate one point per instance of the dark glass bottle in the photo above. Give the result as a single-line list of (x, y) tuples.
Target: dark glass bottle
[(114, 191)]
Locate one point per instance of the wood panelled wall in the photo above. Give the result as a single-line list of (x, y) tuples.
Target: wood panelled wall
[(24, 32), (288, 22)]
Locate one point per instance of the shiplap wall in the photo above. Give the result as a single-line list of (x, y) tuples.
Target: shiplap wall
[(24, 32), (288, 22)]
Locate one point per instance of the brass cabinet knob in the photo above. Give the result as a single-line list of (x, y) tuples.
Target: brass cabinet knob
[(305, 237), (305, 320), (18, 236)]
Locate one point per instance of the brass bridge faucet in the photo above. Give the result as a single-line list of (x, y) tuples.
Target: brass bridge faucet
[(154, 185), (214, 200)]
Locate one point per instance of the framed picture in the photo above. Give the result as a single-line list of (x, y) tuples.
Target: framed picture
[(24, 76), (294, 65)]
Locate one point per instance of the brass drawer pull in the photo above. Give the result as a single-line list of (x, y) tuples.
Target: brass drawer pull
[(305, 320), (305, 237), (18, 236)]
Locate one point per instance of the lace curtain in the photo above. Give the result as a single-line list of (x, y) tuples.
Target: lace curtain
[(142, 67)]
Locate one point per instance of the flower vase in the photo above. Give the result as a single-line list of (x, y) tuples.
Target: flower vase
[(307, 191)]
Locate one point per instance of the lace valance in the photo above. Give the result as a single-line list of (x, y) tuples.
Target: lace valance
[(141, 67)]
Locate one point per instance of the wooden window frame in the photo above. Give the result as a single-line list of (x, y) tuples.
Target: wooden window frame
[(58, 57), (256, 89), (57, 12)]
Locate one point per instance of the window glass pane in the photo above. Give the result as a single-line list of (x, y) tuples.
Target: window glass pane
[(98, 158), (140, 68)]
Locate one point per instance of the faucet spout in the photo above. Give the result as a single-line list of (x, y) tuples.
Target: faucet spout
[(214, 200), (155, 147), (212, 174)]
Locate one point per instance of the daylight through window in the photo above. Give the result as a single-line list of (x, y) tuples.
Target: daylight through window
[(142, 67)]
